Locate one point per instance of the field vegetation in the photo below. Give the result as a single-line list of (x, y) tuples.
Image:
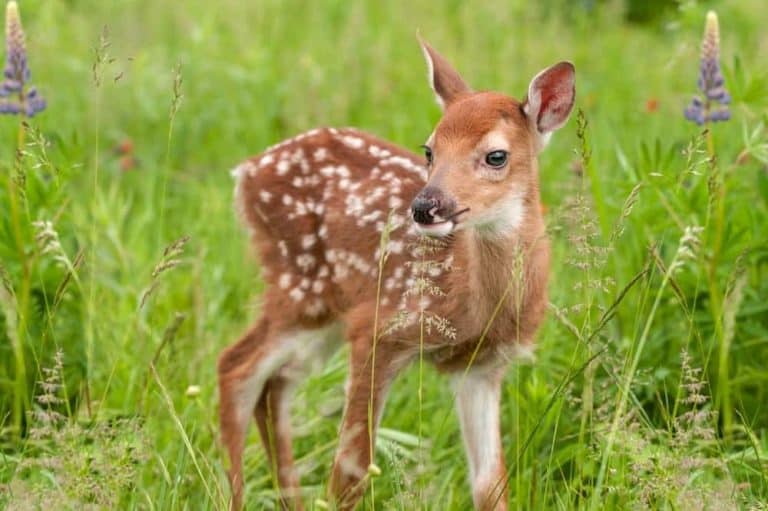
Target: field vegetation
[(124, 271)]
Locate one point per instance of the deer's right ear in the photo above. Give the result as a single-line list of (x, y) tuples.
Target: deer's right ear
[(444, 80), (550, 98)]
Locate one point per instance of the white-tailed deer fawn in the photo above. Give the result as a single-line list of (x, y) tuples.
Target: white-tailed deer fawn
[(318, 207)]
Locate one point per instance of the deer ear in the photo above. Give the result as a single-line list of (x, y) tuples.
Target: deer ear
[(550, 97), (444, 80)]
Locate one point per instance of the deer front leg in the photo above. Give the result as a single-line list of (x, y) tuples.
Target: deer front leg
[(478, 393), (369, 378)]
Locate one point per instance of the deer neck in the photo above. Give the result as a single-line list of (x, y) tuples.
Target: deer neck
[(498, 262)]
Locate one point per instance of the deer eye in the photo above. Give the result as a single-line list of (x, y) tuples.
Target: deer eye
[(428, 154), (496, 159)]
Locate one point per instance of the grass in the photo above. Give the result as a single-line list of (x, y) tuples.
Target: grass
[(649, 385)]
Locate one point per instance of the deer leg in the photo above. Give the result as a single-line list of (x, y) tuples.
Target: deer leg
[(369, 380), (272, 414), (478, 395), (244, 369)]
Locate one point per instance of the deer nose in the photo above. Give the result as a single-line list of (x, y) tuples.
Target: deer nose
[(426, 206)]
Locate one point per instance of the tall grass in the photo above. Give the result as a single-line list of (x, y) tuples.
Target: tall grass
[(124, 272)]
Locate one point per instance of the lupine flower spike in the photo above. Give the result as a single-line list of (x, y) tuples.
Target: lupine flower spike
[(713, 106), (15, 96)]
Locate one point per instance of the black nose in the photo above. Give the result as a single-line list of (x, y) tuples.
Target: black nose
[(430, 202), (424, 209)]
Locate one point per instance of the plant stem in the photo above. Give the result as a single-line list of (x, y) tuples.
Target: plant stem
[(723, 400), (626, 387), (20, 401)]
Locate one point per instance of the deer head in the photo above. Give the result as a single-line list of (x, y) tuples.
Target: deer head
[(482, 155)]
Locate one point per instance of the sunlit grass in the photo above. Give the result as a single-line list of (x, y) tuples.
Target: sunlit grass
[(620, 407)]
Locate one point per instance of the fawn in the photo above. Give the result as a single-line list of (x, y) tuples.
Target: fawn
[(444, 257)]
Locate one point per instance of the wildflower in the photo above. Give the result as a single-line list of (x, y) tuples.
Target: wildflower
[(652, 105), (18, 99), (713, 107)]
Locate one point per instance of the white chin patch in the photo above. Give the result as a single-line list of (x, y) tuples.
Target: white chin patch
[(437, 230), (503, 219)]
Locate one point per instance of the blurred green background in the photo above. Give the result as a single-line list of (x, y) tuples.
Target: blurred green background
[(151, 103)]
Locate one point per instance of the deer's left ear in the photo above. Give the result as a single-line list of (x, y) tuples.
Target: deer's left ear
[(446, 82), (550, 97)]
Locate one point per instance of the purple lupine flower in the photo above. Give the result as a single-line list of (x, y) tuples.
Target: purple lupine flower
[(18, 99), (713, 107)]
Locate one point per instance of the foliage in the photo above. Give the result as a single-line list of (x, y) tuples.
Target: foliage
[(124, 273)]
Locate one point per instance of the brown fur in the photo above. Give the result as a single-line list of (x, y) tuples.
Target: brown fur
[(317, 206)]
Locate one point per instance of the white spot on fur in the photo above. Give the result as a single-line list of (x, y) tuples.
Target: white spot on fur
[(306, 262), (395, 246), (340, 271), (265, 196), (283, 246), (315, 308), (308, 240), (237, 172), (395, 202), (369, 218), (296, 294), (374, 195), (297, 156), (354, 205), (285, 281), (320, 154), (378, 152), (352, 141), (267, 159), (282, 167), (406, 164)]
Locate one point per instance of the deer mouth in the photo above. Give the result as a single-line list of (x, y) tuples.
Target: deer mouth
[(440, 226), (437, 229)]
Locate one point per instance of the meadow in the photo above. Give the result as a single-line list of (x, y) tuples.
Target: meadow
[(125, 272)]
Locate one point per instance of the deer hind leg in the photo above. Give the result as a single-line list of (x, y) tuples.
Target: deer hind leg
[(369, 379), (272, 412), (256, 376), (478, 393), (243, 370)]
